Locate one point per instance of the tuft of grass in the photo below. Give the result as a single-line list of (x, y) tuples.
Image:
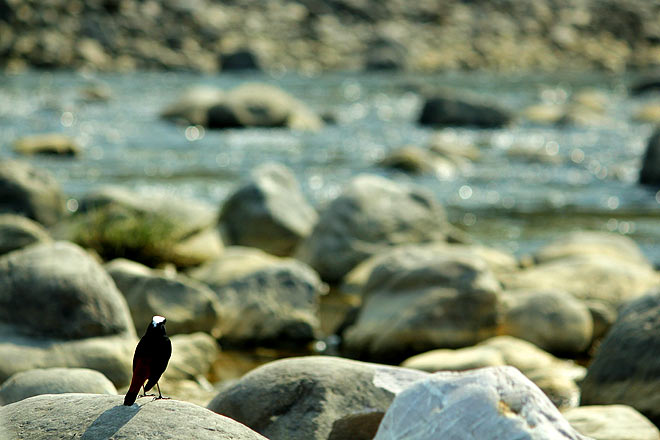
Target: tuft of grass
[(120, 232)]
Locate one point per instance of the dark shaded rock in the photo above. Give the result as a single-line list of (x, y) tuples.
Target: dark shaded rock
[(489, 403), (17, 232), (59, 291), (443, 111), (422, 297), (190, 306), (49, 143), (645, 85), (30, 191), (99, 416), (626, 367), (385, 55), (371, 215), (239, 60), (265, 300), (269, 212), (54, 381), (650, 171), (312, 396)]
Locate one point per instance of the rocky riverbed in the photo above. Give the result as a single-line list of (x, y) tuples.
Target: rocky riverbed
[(336, 256), (318, 35)]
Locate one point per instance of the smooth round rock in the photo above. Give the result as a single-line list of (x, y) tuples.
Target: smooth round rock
[(17, 232), (54, 381), (611, 422)]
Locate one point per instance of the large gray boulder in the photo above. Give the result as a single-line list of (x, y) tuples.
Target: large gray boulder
[(29, 191), (265, 299), (189, 305), (153, 229), (268, 212), (17, 231), (490, 403), (611, 422), (423, 297), (553, 320), (372, 214), (649, 173), (100, 416), (310, 397), (54, 381), (58, 307), (626, 367)]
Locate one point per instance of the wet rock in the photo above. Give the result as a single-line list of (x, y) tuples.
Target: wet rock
[(242, 59), (119, 223), (193, 104), (58, 307), (312, 396), (265, 299), (416, 160), (611, 422), (261, 105), (385, 54), (99, 416), (268, 212), (452, 111), (553, 320), (30, 191), (625, 368), (650, 171), (371, 215), (54, 381), (17, 232), (557, 378), (423, 297), (189, 305), (490, 403), (48, 143)]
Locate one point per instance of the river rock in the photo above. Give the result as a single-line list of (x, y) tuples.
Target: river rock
[(188, 305), (310, 397), (30, 191), (120, 223), (625, 368), (268, 212), (192, 356), (557, 378), (17, 232), (239, 60), (99, 416), (489, 403), (611, 422), (648, 113), (423, 297), (58, 307), (415, 160), (192, 106), (48, 143), (54, 381), (553, 320), (644, 85), (650, 171), (440, 111), (261, 105), (385, 54), (371, 215), (591, 243), (265, 299)]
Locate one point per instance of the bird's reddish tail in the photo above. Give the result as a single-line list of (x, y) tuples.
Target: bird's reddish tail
[(140, 375)]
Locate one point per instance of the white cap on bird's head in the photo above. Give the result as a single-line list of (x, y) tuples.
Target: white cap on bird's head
[(157, 320)]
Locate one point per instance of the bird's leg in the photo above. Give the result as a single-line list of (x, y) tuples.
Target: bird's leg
[(145, 392), (160, 396)]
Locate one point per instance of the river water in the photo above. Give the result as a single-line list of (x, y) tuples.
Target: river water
[(502, 199)]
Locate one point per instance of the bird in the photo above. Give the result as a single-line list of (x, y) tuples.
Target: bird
[(150, 360)]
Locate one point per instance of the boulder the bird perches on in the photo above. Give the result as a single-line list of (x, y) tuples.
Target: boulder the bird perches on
[(150, 360)]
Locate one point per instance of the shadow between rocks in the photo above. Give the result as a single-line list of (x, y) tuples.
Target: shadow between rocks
[(109, 422)]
